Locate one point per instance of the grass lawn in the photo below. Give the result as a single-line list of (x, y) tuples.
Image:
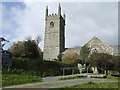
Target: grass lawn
[(112, 77), (90, 85), (16, 79), (96, 85), (64, 62)]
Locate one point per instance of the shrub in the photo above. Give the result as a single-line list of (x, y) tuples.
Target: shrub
[(84, 53), (71, 56), (35, 66), (38, 67), (27, 49), (31, 49), (104, 61), (17, 49)]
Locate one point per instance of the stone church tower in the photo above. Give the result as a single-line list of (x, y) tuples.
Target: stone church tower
[(54, 41)]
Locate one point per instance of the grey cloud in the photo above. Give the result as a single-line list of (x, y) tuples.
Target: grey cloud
[(83, 21)]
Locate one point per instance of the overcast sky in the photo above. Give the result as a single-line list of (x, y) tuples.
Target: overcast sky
[(84, 20)]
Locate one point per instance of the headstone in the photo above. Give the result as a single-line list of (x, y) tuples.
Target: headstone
[(95, 70), (80, 68), (6, 58)]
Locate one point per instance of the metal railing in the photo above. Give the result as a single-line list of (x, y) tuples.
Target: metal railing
[(72, 68)]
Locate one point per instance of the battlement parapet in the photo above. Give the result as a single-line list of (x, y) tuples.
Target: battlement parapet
[(52, 15)]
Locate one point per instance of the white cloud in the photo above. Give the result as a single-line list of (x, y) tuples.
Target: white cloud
[(84, 20)]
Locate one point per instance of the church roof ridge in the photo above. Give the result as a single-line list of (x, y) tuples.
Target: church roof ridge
[(94, 38)]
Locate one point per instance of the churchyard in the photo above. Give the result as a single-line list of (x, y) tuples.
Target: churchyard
[(27, 71), (51, 75), (93, 65)]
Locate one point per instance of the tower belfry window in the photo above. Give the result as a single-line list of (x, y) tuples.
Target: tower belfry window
[(51, 24)]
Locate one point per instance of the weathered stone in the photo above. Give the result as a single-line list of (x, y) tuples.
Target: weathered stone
[(97, 46), (54, 42)]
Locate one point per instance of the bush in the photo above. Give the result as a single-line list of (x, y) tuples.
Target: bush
[(27, 49), (17, 49), (84, 53), (37, 67), (31, 49), (104, 61), (71, 56)]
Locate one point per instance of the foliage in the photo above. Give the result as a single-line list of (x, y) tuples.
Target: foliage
[(104, 61), (116, 63), (60, 57), (24, 63), (16, 79), (17, 49), (71, 56), (38, 67), (38, 40), (27, 49), (84, 53), (31, 49)]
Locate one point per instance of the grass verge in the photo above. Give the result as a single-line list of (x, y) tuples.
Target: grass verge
[(17, 79), (91, 85), (96, 85)]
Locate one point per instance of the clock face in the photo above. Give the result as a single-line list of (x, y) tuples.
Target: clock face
[(51, 24)]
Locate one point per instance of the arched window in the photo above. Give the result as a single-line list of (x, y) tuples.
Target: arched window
[(51, 24)]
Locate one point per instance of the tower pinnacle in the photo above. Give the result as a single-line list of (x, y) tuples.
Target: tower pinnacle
[(46, 12), (59, 9)]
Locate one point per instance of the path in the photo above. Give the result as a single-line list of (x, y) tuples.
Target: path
[(53, 82)]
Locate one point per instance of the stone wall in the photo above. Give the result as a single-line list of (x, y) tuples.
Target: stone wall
[(97, 46)]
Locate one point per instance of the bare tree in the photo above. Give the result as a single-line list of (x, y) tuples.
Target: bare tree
[(28, 38), (17, 49), (38, 39)]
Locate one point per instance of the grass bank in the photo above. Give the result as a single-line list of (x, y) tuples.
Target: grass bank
[(91, 85), (96, 85), (17, 79)]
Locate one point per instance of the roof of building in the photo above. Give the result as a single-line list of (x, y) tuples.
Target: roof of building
[(75, 49), (101, 46)]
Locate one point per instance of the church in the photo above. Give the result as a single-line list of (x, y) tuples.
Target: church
[(54, 39)]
